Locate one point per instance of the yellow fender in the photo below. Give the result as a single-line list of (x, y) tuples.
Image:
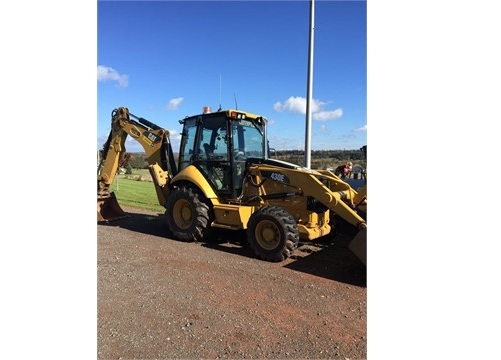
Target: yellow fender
[(193, 175)]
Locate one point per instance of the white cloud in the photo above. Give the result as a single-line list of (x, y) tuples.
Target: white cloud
[(175, 139), (292, 104), (105, 73), (271, 121), (297, 104), (363, 128), (173, 104), (325, 130), (327, 115)]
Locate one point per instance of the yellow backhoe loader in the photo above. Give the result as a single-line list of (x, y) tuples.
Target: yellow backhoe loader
[(224, 178)]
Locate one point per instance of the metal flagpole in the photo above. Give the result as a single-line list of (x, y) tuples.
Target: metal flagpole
[(307, 149)]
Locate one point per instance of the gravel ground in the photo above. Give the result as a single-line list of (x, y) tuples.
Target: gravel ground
[(165, 299)]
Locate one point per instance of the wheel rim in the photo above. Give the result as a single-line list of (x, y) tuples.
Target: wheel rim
[(182, 214), (267, 234)]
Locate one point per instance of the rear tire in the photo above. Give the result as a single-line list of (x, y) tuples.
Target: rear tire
[(272, 233), (187, 214)]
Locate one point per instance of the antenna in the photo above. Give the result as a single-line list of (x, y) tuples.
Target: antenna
[(219, 92), (236, 106)]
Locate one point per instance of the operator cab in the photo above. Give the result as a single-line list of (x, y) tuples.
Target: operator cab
[(219, 143)]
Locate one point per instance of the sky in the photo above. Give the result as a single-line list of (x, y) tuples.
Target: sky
[(165, 60)]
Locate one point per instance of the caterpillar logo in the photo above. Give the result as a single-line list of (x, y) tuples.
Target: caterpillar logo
[(276, 176), (150, 137)]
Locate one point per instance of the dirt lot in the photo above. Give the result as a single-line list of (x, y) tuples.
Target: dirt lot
[(165, 299)]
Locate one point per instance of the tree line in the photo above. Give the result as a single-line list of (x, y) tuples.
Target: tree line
[(322, 159), (323, 154), (319, 158)]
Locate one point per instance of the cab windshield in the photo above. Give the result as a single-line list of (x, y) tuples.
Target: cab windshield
[(219, 147)]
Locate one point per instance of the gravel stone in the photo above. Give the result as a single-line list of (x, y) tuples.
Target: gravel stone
[(160, 298)]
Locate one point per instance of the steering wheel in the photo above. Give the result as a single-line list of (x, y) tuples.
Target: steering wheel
[(239, 166), (239, 155)]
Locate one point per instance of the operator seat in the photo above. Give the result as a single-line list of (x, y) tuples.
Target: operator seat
[(211, 171), (209, 150)]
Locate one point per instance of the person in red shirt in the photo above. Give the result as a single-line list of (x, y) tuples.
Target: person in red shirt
[(344, 171), (347, 170)]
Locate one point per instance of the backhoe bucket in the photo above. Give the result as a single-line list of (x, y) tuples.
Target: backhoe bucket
[(358, 246), (108, 208)]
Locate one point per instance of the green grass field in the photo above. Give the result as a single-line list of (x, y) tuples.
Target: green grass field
[(135, 193)]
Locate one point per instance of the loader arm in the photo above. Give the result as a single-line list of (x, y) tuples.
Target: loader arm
[(325, 187), (156, 144), (321, 186)]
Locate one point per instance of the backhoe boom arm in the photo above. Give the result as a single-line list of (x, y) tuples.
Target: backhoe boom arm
[(156, 144)]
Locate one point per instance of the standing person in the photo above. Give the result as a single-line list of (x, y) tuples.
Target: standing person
[(344, 171), (347, 170)]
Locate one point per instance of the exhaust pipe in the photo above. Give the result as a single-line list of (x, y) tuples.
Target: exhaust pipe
[(108, 208)]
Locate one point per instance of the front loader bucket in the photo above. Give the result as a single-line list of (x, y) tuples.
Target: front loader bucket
[(108, 208), (358, 246)]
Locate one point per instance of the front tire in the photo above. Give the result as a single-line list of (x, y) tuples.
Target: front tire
[(272, 233), (187, 214)]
